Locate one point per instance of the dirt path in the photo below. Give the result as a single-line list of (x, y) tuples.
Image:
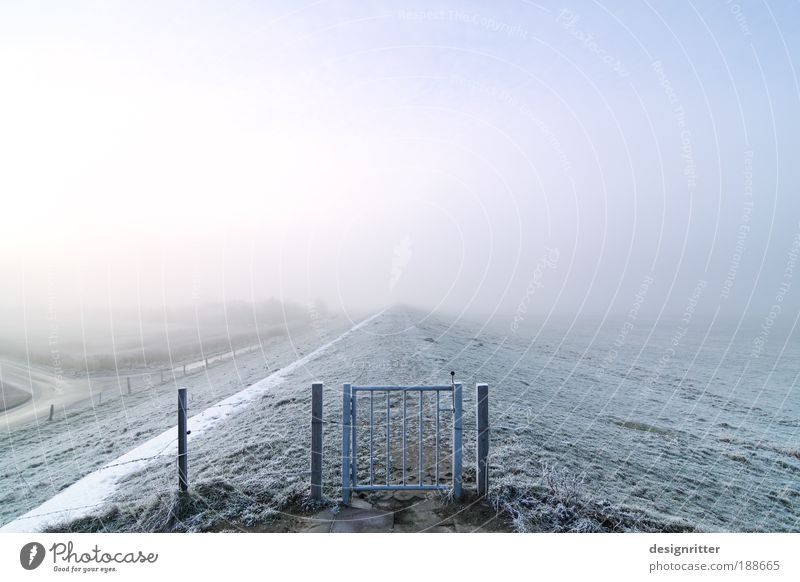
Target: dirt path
[(40, 389), (11, 397)]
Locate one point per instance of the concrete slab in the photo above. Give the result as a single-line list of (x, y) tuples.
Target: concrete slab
[(359, 503), (326, 515), (423, 516), (390, 504), (407, 512), (354, 520), (406, 496), (320, 523), (411, 528), (478, 520)]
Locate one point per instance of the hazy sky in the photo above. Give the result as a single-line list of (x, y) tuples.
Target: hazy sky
[(462, 155)]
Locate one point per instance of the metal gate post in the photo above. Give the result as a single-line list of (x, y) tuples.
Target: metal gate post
[(482, 443), (183, 452), (316, 440), (346, 427), (353, 439), (457, 440)]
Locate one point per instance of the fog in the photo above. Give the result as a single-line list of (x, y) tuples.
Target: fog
[(474, 159)]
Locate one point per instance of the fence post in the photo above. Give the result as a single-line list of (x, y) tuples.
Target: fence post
[(353, 441), (52, 410), (482, 456), (129, 384), (346, 404), (206, 360), (316, 440), (457, 440), (184, 369), (183, 460)]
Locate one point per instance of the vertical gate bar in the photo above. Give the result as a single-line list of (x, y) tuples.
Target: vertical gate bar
[(346, 416), (388, 435), (404, 437), (354, 440), (437, 437), (420, 438), (371, 439), (457, 439), (316, 440), (482, 451)]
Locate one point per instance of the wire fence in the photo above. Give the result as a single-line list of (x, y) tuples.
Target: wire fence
[(265, 469)]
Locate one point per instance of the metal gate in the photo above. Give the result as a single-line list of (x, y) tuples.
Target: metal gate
[(431, 407)]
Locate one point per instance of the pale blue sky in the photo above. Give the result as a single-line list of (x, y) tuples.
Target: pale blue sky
[(244, 149)]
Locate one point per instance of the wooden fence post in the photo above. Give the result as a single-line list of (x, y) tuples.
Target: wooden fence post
[(52, 410), (316, 440), (183, 459), (458, 419), (346, 477), (482, 456), (129, 384)]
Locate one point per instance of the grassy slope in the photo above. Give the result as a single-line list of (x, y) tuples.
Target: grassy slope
[(38, 460)]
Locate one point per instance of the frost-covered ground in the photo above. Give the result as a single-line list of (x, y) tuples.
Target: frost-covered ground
[(581, 440), (40, 459)]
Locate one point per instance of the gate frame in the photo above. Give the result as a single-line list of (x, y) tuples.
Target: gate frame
[(349, 477)]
